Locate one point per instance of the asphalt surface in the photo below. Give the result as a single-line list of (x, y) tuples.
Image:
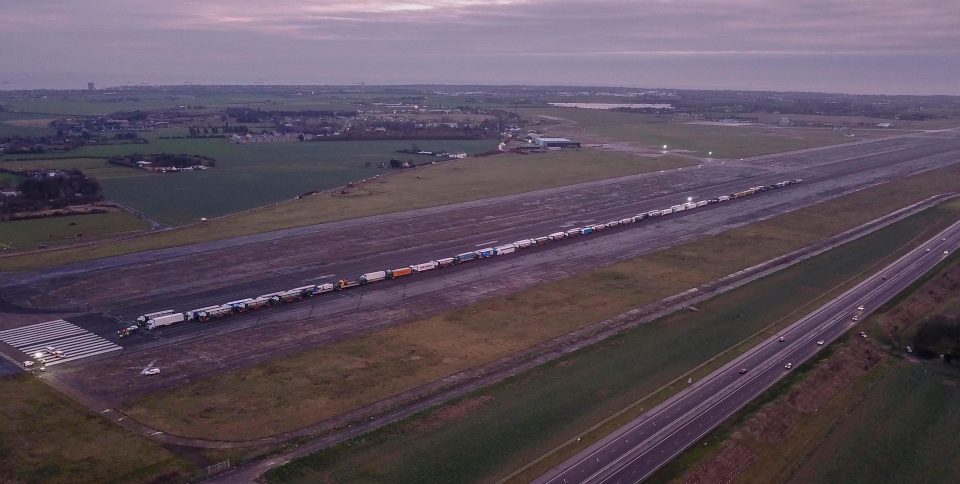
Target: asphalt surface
[(637, 450), (109, 294)]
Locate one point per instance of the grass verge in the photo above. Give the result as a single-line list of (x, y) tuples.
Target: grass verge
[(322, 383), (723, 141), (893, 423), (53, 230), (48, 438), (500, 428), (456, 181)]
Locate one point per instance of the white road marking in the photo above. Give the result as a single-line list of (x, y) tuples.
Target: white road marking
[(75, 342)]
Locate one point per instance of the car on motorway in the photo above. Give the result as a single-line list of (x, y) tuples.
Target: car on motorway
[(743, 371), (928, 250), (781, 339), (788, 366), (946, 253), (855, 318), (860, 307)]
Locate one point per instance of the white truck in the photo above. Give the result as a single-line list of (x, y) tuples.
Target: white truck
[(373, 277), (426, 266), (166, 320), (143, 318)]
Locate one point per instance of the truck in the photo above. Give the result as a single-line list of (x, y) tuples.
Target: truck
[(325, 287), (543, 240), (446, 262), (198, 313), (487, 252), (505, 249), (572, 232), (654, 213), (373, 277), (702, 203), (523, 244), (165, 320), (678, 208), (612, 224), (690, 205), (426, 266), (347, 284), (666, 211), (143, 318), (258, 303), (724, 198), (395, 273), (239, 305), (586, 230), (630, 220), (216, 312), (557, 235), (466, 256)]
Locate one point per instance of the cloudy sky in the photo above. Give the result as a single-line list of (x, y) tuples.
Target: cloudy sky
[(858, 46)]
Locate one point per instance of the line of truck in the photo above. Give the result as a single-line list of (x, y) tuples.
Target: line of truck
[(169, 317)]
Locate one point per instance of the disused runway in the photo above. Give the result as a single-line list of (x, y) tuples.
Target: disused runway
[(111, 292)]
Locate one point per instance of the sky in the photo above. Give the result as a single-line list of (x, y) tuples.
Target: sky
[(853, 46)]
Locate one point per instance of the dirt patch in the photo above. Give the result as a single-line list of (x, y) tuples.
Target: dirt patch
[(899, 322), (771, 424), (457, 411), (724, 467), (833, 375)]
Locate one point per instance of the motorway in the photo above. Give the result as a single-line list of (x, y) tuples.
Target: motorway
[(637, 450)]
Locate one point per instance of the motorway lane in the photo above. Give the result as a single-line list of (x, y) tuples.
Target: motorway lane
[(640, 448)]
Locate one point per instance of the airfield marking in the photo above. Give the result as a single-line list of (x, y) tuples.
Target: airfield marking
[(75, 342)]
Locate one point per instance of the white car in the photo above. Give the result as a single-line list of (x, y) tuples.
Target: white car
[(788, 366), (820, 343), (928, 250), (860, 307), (855, 318), (781, 339)]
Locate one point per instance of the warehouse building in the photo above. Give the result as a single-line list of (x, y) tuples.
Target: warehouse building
[(553, 143)]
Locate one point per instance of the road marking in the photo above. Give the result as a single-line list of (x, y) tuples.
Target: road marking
[(76, 342), (481, 244)]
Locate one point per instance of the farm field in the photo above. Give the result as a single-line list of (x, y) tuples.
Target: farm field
[(449, 182), (249, 175), (51, 231), (374, 366), (723, 141), (494, 431), (46, 437), (904, 430), (18, 124)]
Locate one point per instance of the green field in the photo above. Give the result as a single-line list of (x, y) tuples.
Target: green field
[(449, 182), (19, 124), (503, 427), (248, 175), (28, 234), (48, 438), (905, 430), (723, 141)]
